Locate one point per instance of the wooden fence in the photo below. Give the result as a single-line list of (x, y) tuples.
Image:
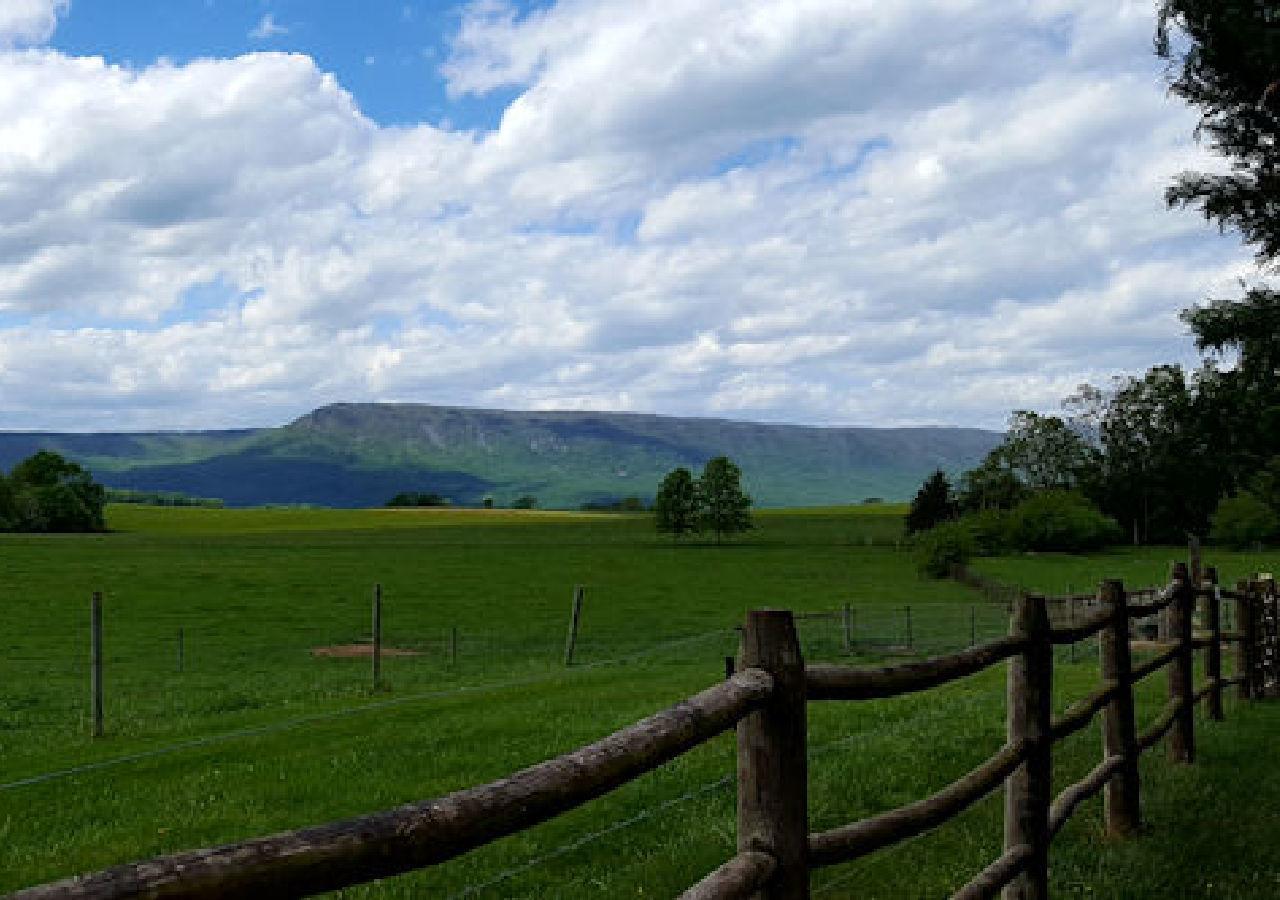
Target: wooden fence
[(766, 701)]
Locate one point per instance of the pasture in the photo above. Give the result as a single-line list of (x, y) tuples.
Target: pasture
[(257, 734)]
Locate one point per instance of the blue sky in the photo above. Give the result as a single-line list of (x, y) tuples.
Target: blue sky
[(830, 212), (386, 53)]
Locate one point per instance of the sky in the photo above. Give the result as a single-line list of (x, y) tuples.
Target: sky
[(224, 213)]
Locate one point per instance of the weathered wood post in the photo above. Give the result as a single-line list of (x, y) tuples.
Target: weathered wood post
[(973, 625), (575, 615), (773, 776), (910, 636), (1272, 633), (1213, 659), (1244, 647), (1028, 790), (377, 636), (1182, 741), (182, 650), (1119, 732), (848, 629), (95, 661), (1196, 564)]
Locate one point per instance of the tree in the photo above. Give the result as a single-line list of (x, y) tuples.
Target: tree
[(525, 501), (1044, 453), (46, 492), (725, 508), (677, 505), (1224, 57), (933, 504)]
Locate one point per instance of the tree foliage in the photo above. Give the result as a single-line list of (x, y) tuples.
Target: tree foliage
[(46, 492), (933, 504), (726, 508), (418, 498), (1224, 58), (714, 502), (677, 505), (1243, 521)]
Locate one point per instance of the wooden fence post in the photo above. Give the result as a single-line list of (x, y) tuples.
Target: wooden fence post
[(377, 635), (1213, 659), (575, 616), (848, 629), (182, 650), (1244, 648), (1119, 732), (1028, 790), (1271, 633), (1182, 740), (773, 806), (910, 636), (95, 661)]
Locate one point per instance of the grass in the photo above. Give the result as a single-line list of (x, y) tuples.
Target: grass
[(255, 590)]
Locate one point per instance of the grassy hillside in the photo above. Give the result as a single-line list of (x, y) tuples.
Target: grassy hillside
[(257, 734), (362, 454)]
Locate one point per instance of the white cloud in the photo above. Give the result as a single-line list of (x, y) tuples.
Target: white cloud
[(826, 211), (29, 21), (267, 28)]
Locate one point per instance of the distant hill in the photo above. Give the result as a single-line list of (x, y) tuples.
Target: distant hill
[(362, 454)]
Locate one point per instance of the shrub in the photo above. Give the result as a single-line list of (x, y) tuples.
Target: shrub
[(1243, 520), (942, 548), (989, 529), (1060, 520)]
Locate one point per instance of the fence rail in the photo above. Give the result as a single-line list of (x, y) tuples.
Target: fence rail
[(766, 701)]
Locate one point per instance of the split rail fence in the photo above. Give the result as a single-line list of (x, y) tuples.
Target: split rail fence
[(766, 701)]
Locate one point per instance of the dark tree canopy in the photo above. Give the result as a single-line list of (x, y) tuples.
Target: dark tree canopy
[(726, 509), (933, 504), (677, 504), (46, 492), (1224, 58)]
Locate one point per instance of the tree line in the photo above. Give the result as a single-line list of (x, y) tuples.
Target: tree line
[(1152, 457)]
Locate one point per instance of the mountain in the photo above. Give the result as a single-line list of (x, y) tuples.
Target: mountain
[(362, 454)]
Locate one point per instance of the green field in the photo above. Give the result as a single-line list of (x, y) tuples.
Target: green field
[(257, 734)]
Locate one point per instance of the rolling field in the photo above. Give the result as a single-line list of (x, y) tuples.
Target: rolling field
[(257, 734)]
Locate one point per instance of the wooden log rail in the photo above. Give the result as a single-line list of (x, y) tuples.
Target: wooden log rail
[(312, 860), (767, 701)]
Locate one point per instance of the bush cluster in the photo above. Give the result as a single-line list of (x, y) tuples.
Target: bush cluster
[(1047, 521)]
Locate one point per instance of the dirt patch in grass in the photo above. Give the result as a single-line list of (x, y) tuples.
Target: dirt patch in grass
[(354, 651)]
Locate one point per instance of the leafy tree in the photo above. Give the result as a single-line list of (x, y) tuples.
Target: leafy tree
[(933, 504), (1243, 521), (726, 509), (525, 501), (1158, 475), (1224, 58), (1044, 453), (677, 506), (46, 492), (990, 486), (1245, 414)]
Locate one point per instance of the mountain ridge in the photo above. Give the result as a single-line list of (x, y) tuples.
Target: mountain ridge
[(360, 454)]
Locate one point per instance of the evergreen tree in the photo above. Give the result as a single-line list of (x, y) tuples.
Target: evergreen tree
[(933, 504), (1224, 58)]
